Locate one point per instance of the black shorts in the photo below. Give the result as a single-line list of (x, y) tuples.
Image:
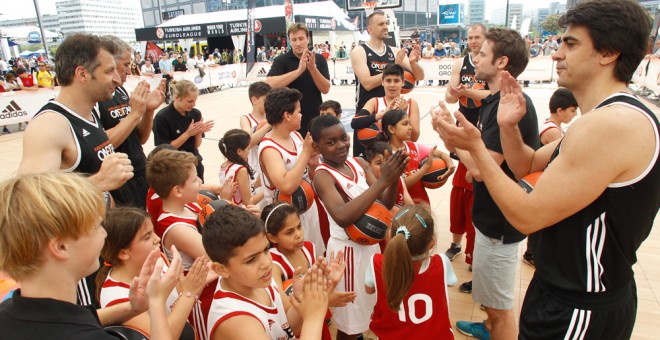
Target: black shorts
[(545, 315)]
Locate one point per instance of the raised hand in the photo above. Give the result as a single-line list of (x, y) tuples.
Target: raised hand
[(160, 285), (207, 126), (115, 170), (315, 303), (156, 96), (195, 281), (394, 166), (415, 54), (400, 56), (429, 160), (302, 65), (512, 102), (138, 101), (341, 299), (137, 293), (465, 136), (311, 61)]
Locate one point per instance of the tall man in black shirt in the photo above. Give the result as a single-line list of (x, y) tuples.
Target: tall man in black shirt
[(127, 122), (303, 70), (590, 214), (496, 241)]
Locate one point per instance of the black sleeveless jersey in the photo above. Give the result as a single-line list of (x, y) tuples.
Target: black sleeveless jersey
[(376, 63), (593, 251), (470, 107), (91, 141), (112, 112)]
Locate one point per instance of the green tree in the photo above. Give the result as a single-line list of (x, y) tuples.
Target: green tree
[(551, 24)]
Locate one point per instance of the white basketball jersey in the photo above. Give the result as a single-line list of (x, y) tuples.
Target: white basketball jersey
[(381, 104), (352, 188), (253, 156), (273, 317), (230, 171)]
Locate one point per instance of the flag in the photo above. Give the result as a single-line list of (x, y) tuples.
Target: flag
[(251, 48)]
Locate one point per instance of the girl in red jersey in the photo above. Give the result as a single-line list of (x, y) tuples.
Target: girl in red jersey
[(410, 284), (292, 255), (397, 131), (130, 239), (235, 146)]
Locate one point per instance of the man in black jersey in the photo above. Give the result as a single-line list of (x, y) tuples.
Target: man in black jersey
[(369, 60), (590, 214), (66, 134), (127, 122)]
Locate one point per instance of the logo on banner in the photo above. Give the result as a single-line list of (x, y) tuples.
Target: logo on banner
[(198, 79), (160, 33), (233, 74), (257, 26), (34, 37), (12, 110), (262, 73)]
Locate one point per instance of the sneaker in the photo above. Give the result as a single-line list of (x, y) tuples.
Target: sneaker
[(5, 131), (466, 287), (528, 258), (453, 251), (473, 329)]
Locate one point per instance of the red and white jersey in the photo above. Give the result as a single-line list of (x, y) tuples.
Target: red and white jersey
[(287, 268), (423, 311), (230, 171), (114, 292), (166, 221), (289, 158), (272, 317), (417, 191), (351, 186), (381, 104), (400, 192), (547, 125), (155, 206), (309, 219), (253, 156)]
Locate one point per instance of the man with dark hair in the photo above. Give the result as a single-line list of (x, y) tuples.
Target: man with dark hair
[(303, 70), (465, 89), (590, 214), (369, 60), (67, 134), (128, 121), (496, 241)]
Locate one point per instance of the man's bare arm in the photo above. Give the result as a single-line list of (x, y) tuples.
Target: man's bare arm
[(361, 70)]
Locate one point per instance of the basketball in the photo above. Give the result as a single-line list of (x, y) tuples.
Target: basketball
[(205, 197), (208, 209), (438, 168), (302, 198), (372, 227), (126, 332), (408, 82), (529, 182), (288, 287), (369, 134), (477, 103)]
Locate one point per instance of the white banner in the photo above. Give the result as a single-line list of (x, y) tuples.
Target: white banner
[(21, 106), (258, 72), (227, 75), (342, 70), (437, 69), (539, 69), (652, 81)]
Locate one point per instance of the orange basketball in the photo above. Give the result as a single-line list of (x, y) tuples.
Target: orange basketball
[(302, 198), (529, 182), (408, 82), (477, 102), (371, 228), (209, 209), (288, 287), (369, 134), (205, 197), (438, 168)]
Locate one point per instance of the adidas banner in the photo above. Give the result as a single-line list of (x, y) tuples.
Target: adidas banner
[(19, 107)]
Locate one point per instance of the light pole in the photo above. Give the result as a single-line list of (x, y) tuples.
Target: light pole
[(41, 27)]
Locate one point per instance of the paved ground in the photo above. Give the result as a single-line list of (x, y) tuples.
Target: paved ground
[(226, 106)]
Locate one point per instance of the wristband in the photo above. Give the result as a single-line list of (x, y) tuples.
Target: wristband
[(189, 295)]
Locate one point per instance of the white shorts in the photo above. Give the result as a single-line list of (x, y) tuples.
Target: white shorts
[(312, 226), (493, 271), (355, 317)]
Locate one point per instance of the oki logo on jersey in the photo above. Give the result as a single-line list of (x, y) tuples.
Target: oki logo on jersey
[(12, 110), (119, 112), (104, 149), (378, 65)]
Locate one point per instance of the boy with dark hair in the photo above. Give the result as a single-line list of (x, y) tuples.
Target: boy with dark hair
[(376, 154), (330, 107), (347, 188), (563, 108), (284, 156), (374, 109), (247, 303), (590, 214)]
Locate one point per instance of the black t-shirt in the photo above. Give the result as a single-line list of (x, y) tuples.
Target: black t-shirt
[(486, 216), (33, 318), (311, 100), (134, 191), (169, 124)]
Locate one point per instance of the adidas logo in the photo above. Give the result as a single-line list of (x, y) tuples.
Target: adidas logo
[(177, 131), (262, 73), (85, 133), (369, 54), (349, 186), (12, 111), (464, 67), (288, 161)]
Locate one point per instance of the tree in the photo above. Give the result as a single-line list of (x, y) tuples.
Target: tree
[(551, 24)]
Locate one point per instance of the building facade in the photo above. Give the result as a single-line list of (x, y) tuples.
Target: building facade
[(100, 17), (476, 12)]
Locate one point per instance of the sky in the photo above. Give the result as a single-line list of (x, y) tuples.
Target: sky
[(17, 9)]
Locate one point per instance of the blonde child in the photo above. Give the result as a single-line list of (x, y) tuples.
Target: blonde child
[(130, 239), (409, 282)]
